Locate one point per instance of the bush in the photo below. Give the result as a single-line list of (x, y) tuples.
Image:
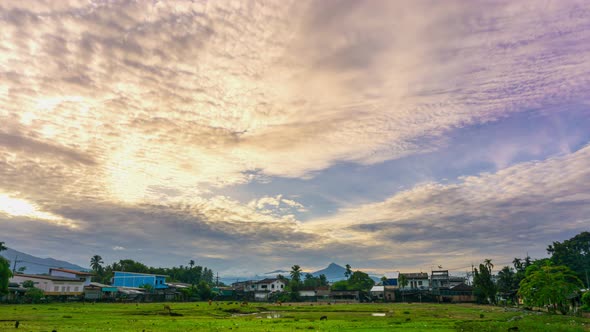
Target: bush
[(586, 301)]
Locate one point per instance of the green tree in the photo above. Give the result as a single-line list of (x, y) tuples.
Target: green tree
[(360, 281), (295, 273), (28, 284), (34, 295), (2, 246), (323, 280), (573, 253), (149, 288), (483, 285), (5, 274), (403, 282), (96, 263), (22, 269), (348, 271), (549, 285), (340, 285), (586, 301)]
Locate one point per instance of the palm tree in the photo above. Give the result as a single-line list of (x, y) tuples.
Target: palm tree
[(296, 273), (2, 246), (191, 263), (488, 263), (96, 263)]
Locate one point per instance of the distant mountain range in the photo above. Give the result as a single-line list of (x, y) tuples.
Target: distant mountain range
[(36, 265), (333, 272)]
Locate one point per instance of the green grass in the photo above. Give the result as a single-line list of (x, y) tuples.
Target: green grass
[(224, 316)]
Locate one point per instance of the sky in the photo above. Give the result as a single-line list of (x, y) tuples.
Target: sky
[(254, 135)]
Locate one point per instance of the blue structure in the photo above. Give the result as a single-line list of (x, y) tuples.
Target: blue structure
[(131, 279)]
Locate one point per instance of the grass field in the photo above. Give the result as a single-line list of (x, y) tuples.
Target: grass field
[(228, 316)]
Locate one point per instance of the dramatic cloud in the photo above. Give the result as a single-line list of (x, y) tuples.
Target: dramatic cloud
[(122, 115)]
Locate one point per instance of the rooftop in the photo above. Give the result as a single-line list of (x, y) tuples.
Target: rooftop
[(80, 273)]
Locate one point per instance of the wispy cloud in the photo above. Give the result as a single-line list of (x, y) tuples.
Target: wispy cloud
[(156, 107)]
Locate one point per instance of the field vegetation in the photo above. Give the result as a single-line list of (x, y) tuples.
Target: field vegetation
[(234, 316)]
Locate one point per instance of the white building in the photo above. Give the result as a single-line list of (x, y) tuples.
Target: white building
[(419, 280), (59, 272), (263, 288), (52, 285)]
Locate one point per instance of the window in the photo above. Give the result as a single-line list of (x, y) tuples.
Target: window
[(76, 289), (63, 288), (273, 286), (263, 286), (68, 288), (56, 288), (420, 282), (282, 285)]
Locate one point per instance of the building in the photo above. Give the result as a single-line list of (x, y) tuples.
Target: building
[(417, 280), (132, 279), (345, 296), (439, 279), (59, 272), (456, 281), (378, 292), (314, 294), (52, 285), (392, 279), (263, 289), (97, 291)]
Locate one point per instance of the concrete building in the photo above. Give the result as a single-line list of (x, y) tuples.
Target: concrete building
[(59, 272), (417, 280), (52, 285), (132, 279)]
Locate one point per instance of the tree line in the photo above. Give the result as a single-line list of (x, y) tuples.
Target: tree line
[(549, 282)]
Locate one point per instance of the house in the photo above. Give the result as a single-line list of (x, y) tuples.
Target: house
[(417, 280), (59, 272), (456, 281), (264, 288), (391, 279), (439, 279), (320, 293), (345, 296), (97, 291), (52, 285), (458, 293), (132, 279), (377, 292)]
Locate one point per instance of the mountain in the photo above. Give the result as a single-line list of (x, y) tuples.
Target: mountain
[(36, 265), (333, 272)]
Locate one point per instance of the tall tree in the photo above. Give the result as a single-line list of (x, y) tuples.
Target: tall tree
[(360, 281), (348, 271), (573, 253), (548, 285), (403, 282), (484, 287), (5, 275), (96, 263), (2, 246), (296, 273), (191, 263)]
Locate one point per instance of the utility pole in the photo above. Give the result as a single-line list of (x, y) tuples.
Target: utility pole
[(14, 265), (217, 280)]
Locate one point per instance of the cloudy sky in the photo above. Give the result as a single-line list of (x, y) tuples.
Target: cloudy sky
[(251, 136)]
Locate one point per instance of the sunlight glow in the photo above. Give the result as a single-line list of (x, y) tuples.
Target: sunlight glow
[(20, 208)]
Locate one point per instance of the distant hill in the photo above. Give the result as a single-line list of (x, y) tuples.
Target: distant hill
[(37, 265), (333, 272)]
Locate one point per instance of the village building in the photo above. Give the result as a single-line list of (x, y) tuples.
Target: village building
[(132, 279), (84, 276), (415, 281), (52, 285)]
